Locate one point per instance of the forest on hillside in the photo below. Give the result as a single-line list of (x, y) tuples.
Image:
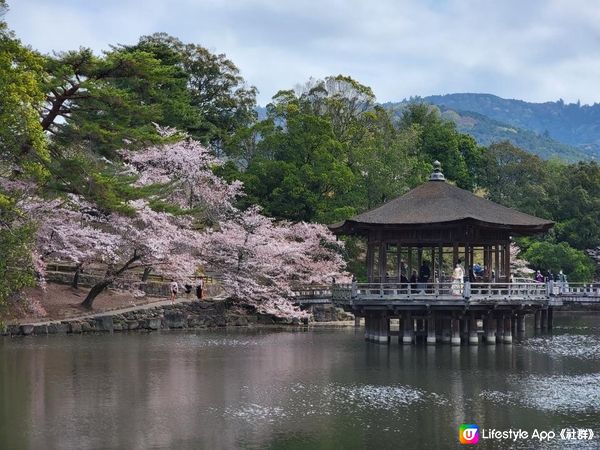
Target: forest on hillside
[(151, 156), (573, 124)]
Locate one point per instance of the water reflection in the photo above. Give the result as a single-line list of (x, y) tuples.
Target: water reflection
[(259, 388)]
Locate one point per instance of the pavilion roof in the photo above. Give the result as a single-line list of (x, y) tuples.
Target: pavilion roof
[(438, 202)]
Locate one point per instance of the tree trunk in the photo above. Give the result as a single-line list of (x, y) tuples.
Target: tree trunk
[(95, 291), (146, 274), (110, 277), (75, 283)]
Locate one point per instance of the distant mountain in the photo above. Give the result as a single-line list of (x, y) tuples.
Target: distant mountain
[(487, 131), (573, 124), (552, 129)]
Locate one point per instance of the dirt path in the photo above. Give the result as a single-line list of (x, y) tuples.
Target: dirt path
[(60, 302)]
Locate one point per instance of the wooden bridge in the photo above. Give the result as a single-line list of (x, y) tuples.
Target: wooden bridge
[(450, 312), (524, 292)]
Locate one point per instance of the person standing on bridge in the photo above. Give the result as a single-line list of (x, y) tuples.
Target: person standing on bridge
[(539, 278), (457, 279)]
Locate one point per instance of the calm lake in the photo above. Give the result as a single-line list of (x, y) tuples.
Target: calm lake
[(317, 389)]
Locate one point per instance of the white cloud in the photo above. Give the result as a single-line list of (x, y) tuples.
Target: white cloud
[(536, 50)]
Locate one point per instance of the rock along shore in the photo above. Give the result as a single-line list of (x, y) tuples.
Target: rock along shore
[(181, 315)]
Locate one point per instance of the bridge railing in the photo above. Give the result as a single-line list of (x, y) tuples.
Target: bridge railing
[(311, 292), (567, 289), (441, 291)]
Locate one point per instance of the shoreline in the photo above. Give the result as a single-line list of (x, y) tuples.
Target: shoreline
[(182, 315)]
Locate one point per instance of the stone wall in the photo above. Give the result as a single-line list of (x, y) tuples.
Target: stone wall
[(329, 313), (183, 315)]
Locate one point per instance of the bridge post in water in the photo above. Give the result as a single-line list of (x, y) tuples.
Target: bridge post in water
[(550, 318), (446, 331), (455, 332), (409, 330), (473, 335), (384, 329), (368, 326), (357, 321), (431, 329), (489, 327), (499, 328), (544, 319), (507, 338), (521, 323), (537, 317)]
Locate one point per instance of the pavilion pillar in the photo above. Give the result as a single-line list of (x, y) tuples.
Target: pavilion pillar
[(499, 327), (382, 262), (486, 262), (440, 262), (468, 261), (507, 338), (537, 318), (447, 331), (473, 336), (454, 255), (490, 332), (370, 262), (497, 263), (431, 329), (455, 323), (409, 329), (507, 261)]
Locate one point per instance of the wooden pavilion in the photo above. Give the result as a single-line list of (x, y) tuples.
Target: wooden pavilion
[(440, 224), (426, 232)]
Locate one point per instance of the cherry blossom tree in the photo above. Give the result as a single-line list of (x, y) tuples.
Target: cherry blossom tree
[(73, 230), (259, 260), (186, 168)]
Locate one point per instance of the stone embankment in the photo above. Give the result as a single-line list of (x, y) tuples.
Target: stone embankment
[(181, 315)]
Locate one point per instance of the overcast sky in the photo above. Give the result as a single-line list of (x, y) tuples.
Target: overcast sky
[(527, 49)]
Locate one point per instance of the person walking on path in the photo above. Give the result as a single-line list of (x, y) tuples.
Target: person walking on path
[(174, 290), (199, 287)]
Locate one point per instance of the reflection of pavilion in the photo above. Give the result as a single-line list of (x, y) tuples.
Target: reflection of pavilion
[(423, 235)]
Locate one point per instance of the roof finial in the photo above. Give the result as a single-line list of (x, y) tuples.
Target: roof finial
[(437, 174)]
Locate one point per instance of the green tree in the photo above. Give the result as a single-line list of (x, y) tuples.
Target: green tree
[(547, 255), (101, 104), (16, 245), (575, 205), (217, 100), (22, 141), (439, 140), (517, 179)]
